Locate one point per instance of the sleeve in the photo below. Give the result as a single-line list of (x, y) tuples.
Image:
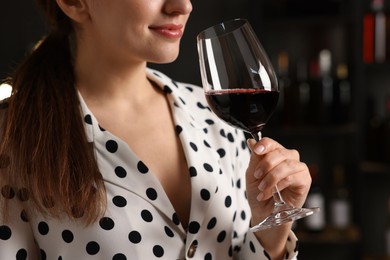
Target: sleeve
[(245, 242), (16, 236)]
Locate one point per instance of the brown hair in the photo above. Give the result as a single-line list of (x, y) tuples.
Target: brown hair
[(44, 150)]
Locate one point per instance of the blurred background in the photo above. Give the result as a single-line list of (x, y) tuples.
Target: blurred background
[(333, 62)]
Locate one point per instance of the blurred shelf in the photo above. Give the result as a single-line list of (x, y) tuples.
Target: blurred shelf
[(331, 235), (376, 257), (307, 22), (374, 167), (312, 131), (378, 68)]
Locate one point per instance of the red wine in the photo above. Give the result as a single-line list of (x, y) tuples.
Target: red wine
[(248, 109)]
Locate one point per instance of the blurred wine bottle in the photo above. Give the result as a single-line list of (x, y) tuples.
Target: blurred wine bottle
[(387, 230), (340, 204), (341, 96), (325, 62), (303, 90), (321, 89), (315, 198), (376, 33), (286, 97), (386, 131)]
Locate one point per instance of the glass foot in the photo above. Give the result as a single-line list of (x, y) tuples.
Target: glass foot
[(283, 216)]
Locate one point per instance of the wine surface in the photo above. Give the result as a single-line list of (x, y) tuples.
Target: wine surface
[(248, 109)]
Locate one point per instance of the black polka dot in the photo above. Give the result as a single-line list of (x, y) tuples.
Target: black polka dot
[(106, 223), (228, 201), (119, 201), (67, 236), (221, 236), (231, 251), (201, 106), (142, 168), (243, 145), (205, 194), (167, 89), (88, 119), (23, 194), (77, 212), (210, 121), (21, 254), (119, 257), (175, 219), (266, 255), (135, 237), (243, 215), (206, 144), (158, 251), (92, 248), (112, 146), (208, 167), (193, 227), (222, 133), (5, 233), (151, 193), (221, 152), (193, 172), (178, 129), (147, 216), (230, 138), (194, 147), (120, 172), (212, 223), (43, 254), (24, 216), (238, 184), (252, 247), (7, 192), (208, 256), (168, 232), (43, 228)]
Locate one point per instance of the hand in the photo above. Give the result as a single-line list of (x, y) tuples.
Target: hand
[(271, 164)]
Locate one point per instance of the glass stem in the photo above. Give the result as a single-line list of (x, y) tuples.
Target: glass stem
[(278, 200)]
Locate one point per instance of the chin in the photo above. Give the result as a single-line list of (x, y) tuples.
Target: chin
[(166, 59)]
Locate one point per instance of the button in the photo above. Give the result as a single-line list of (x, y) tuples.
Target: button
[(192, 249)]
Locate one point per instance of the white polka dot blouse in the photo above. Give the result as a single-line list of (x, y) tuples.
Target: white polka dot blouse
[(140, 221)]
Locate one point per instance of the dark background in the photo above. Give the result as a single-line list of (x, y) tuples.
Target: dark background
[(301, 28)]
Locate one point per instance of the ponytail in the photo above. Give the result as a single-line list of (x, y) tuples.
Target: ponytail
[(44, 143)]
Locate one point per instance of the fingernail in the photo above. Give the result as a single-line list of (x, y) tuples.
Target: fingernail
[(262, 185), (260, 196), (259, 149), (258, 173)]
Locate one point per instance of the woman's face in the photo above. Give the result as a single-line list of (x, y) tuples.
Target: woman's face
[(139, 30)]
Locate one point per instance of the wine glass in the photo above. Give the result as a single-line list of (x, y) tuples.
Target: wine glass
[(241, 88)]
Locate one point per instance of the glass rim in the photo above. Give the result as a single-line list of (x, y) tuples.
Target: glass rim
[(222, 28)]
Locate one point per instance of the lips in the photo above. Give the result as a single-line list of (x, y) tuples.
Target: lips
[(172, 31)]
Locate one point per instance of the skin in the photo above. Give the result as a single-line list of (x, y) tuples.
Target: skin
[(114, 42)]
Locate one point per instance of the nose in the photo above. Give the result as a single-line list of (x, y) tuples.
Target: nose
[(178, 7)]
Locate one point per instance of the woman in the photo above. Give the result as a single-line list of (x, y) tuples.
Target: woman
[(104, 158)]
